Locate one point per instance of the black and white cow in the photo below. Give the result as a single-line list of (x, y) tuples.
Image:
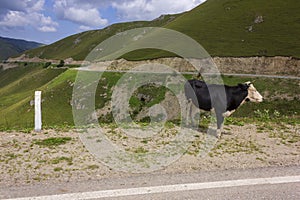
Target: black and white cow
[(223, 99)]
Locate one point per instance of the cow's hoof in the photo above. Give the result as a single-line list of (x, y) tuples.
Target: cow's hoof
[(219, 133)]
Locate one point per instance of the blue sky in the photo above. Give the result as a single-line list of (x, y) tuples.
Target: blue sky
[(47, 21)]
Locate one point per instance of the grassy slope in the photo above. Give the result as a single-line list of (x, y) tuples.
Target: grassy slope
[(78, 46), (220, 26), (17, 90), (56, 84)]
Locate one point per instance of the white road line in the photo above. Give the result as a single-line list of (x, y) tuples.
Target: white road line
[(167, 188)]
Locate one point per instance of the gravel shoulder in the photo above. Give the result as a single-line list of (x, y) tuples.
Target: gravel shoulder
[(30, 158)]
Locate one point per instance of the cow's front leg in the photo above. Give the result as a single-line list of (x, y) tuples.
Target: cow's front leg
[(220, 120)]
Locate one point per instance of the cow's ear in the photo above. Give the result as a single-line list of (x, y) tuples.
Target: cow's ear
[(244, 86)]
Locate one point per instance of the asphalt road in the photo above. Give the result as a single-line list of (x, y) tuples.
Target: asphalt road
[(261, 183)]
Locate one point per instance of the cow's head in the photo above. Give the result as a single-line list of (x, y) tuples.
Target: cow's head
[(253, 94)]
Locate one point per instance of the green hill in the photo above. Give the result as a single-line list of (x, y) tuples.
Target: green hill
[(12, 47), (78, 46), (223, 27), (17, 86), (244, 27)]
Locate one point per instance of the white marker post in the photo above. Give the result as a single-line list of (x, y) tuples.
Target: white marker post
[(38, 111)]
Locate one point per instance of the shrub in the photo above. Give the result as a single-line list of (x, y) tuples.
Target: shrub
[(47, 64), (51, 142), (61, 63)]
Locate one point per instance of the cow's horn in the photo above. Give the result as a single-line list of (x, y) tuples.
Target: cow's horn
[(248, 83)]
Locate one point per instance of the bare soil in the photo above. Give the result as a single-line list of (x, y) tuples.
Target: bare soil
[(24, 160), (286, 66)]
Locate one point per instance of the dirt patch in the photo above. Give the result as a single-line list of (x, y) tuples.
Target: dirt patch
[(5, 66), (259, 65), (27, 158), (245, 65), (277, 65), (247, 147)]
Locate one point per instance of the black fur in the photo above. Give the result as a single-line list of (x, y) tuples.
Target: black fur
[(220, 97)]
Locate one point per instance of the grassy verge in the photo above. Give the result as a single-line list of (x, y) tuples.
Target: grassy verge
[(17, 88)]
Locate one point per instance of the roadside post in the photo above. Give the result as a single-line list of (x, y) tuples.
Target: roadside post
[(37, 111)]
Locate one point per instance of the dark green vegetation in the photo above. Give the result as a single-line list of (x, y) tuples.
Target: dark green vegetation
[(52, 142), (238, 28), (12, 47), (146, 96), (17, 86)]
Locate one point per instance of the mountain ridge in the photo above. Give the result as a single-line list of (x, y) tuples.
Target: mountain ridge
[(13, 47)]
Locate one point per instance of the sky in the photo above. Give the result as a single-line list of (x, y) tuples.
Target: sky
[(47, 21)]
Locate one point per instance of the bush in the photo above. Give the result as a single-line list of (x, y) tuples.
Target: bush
[(51, 142), (47, 64), (61, 63)]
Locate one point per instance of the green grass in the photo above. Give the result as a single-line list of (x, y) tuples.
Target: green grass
[(155, 93), (62, 159), (281, 98), (17, 92), (234, 146), (53, 142), (221, 27), (93, 167), (11, 156), (82, 43), (57, 169)]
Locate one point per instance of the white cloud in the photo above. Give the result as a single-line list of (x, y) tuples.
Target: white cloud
[(14, 18), (16, 13), (47, 29), (83, 13), (35, 5), (84, 28), (150, 9), (21, 19), (87, 13), (90, 17)]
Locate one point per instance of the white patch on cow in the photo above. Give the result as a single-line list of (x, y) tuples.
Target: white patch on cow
[(253, 94), (228, 113)]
